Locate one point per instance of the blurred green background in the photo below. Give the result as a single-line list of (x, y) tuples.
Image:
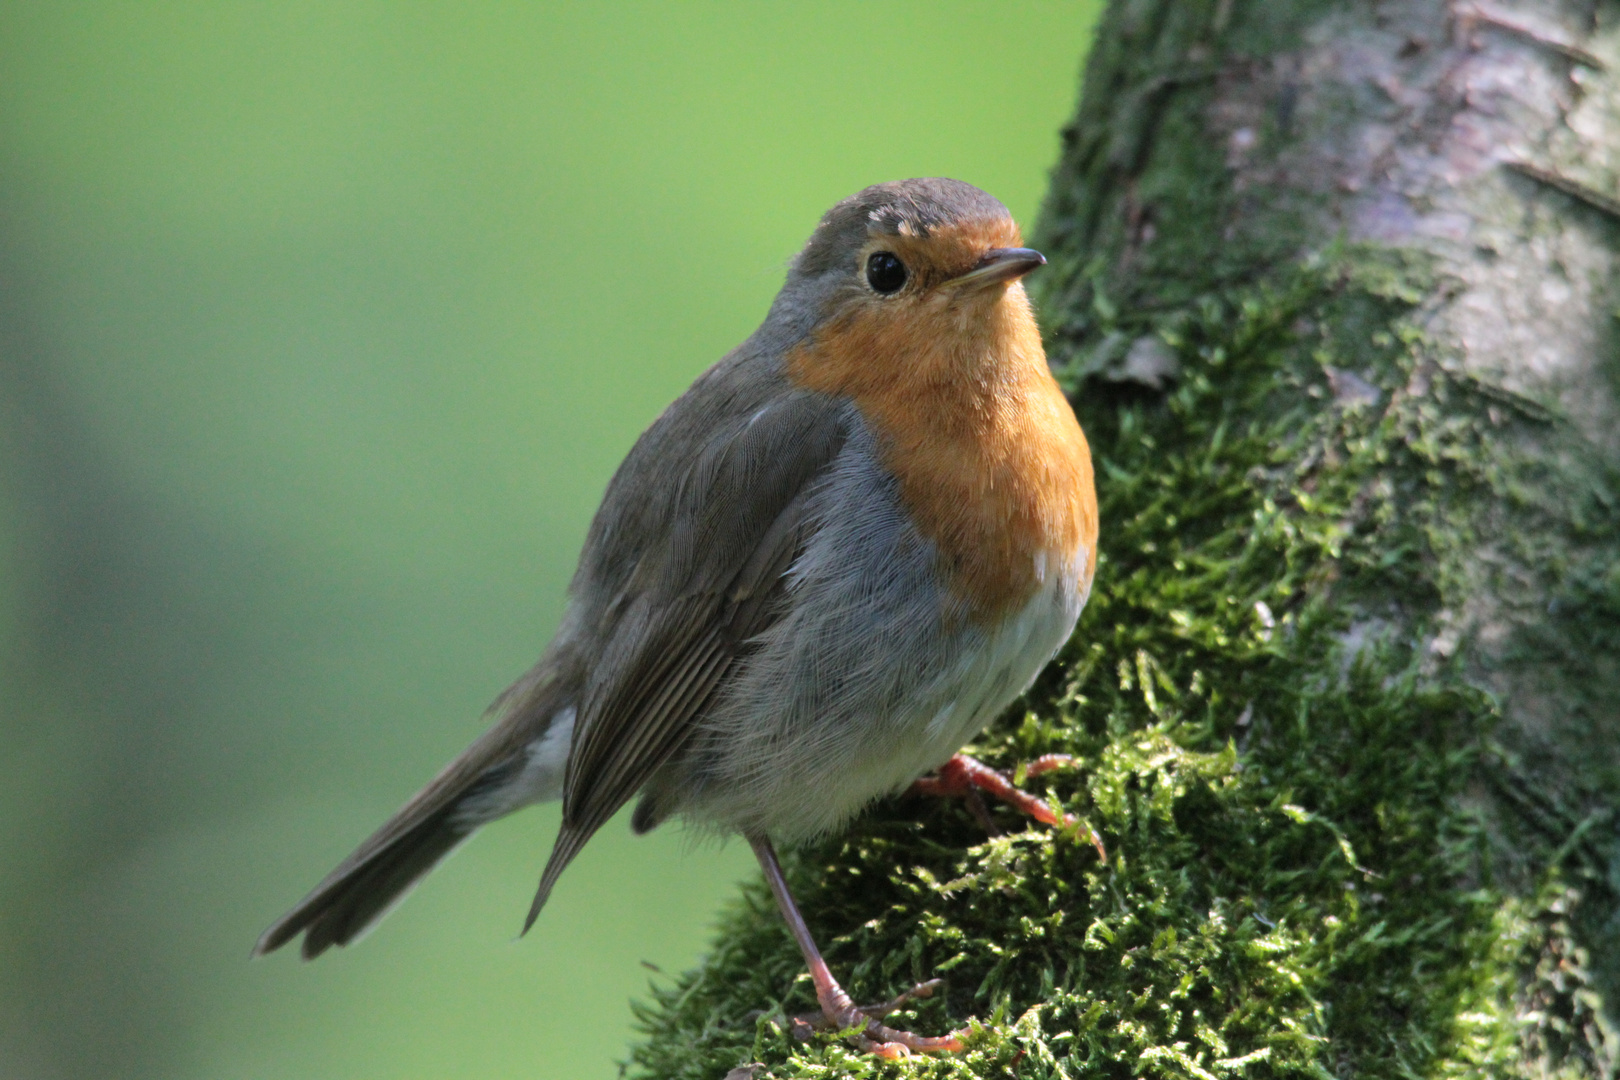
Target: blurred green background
[(321, 330)]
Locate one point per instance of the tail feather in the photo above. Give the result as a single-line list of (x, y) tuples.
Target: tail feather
[(439, 818), (342, 908)]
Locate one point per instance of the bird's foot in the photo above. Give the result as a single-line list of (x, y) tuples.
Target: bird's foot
[(964, 778), (867, 1031)]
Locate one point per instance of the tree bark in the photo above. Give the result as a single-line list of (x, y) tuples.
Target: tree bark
[(1334, 288)]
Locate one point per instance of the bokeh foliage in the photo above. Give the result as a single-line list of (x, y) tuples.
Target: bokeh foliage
[(322, 326)]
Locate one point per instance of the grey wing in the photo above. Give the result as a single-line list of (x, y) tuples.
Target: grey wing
[(683, 568)]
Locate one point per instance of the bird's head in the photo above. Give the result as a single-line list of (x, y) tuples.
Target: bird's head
[(917, 278)]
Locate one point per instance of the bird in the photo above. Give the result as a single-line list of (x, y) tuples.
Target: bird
[(820, 572)]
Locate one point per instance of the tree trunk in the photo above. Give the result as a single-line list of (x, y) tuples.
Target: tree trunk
[(1333, 286)]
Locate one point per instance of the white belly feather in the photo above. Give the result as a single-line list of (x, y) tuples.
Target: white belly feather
[(965, 700)]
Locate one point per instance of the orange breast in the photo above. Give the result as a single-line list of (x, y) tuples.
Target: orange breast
[(990, 461)]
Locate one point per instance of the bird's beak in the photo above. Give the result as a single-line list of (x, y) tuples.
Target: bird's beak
[(999, 265)]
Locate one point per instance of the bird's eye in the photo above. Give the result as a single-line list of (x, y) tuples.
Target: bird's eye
[(885, 273)]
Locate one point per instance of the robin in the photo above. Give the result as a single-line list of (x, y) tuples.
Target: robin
[(827, 566)]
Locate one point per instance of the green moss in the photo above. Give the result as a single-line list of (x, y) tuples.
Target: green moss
[(1274, 749)]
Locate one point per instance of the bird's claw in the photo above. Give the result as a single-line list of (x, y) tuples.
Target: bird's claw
[(964, 777), (864, 1027)]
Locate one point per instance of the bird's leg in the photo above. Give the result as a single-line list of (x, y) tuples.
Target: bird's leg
[(964, 777), (841, 1013)]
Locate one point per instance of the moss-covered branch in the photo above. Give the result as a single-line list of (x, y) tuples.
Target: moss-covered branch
[(1344, 691)]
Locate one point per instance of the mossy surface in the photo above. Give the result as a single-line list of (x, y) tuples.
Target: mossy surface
[(1274, 753)]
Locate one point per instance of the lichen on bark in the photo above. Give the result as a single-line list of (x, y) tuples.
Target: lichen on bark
[(1343, 695)]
